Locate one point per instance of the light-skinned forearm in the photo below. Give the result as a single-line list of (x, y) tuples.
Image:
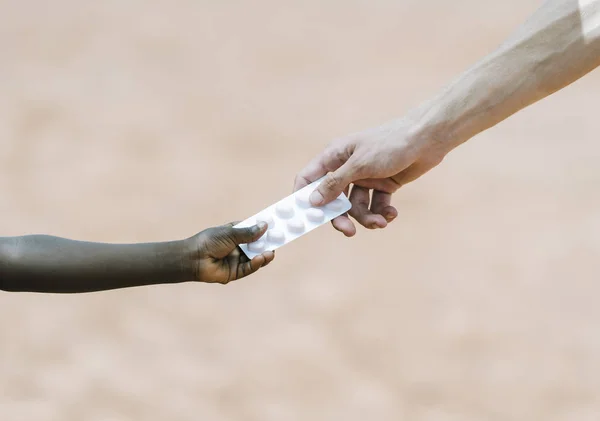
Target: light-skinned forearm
[(40, 263), (559, 44)]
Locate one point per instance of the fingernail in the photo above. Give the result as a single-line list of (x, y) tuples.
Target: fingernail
[(261, 225), (316, 198)]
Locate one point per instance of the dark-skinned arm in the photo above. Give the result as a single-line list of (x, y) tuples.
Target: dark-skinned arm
[(42, 263)]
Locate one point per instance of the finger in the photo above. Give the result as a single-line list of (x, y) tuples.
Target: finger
[(332, 158), (380, 204), (360, 209), (251, 266), (344, 225), (269, 256), (333, 184), (247, 267), (247, 234), (312, 172)]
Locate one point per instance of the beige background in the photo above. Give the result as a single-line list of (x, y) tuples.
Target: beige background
[(132, 120)]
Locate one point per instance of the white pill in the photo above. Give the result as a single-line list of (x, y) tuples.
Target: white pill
[(257, 246), (315, 215), (337, 205), (284, 210), (276, 236), (302, 198), (295, 226), (267, 218)]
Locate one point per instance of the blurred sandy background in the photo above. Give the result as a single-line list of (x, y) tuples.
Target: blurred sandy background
[(128, 121)]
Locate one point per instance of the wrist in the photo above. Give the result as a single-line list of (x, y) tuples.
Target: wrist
[(432, 127), (490, 91), (175, 260), (468, 106)]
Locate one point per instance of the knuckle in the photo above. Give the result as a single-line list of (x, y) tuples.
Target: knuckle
[(331, 155), (399, 181), (341, 156), (332, 181), (335, 155), (389, 186)]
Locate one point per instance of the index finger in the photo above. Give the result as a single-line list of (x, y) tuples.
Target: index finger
[(312, 172)]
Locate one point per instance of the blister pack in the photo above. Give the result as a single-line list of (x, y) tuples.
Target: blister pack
[(291, 218)]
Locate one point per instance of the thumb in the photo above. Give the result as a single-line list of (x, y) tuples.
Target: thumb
[(333, 184), (247, 234)]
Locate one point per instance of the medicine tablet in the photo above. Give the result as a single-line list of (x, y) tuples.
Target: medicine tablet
[(257, 246), (295, 226), (275, 236), (337, 205), (302, 198), (315, 215), (284, 210), (267, 219), (291, 218)]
